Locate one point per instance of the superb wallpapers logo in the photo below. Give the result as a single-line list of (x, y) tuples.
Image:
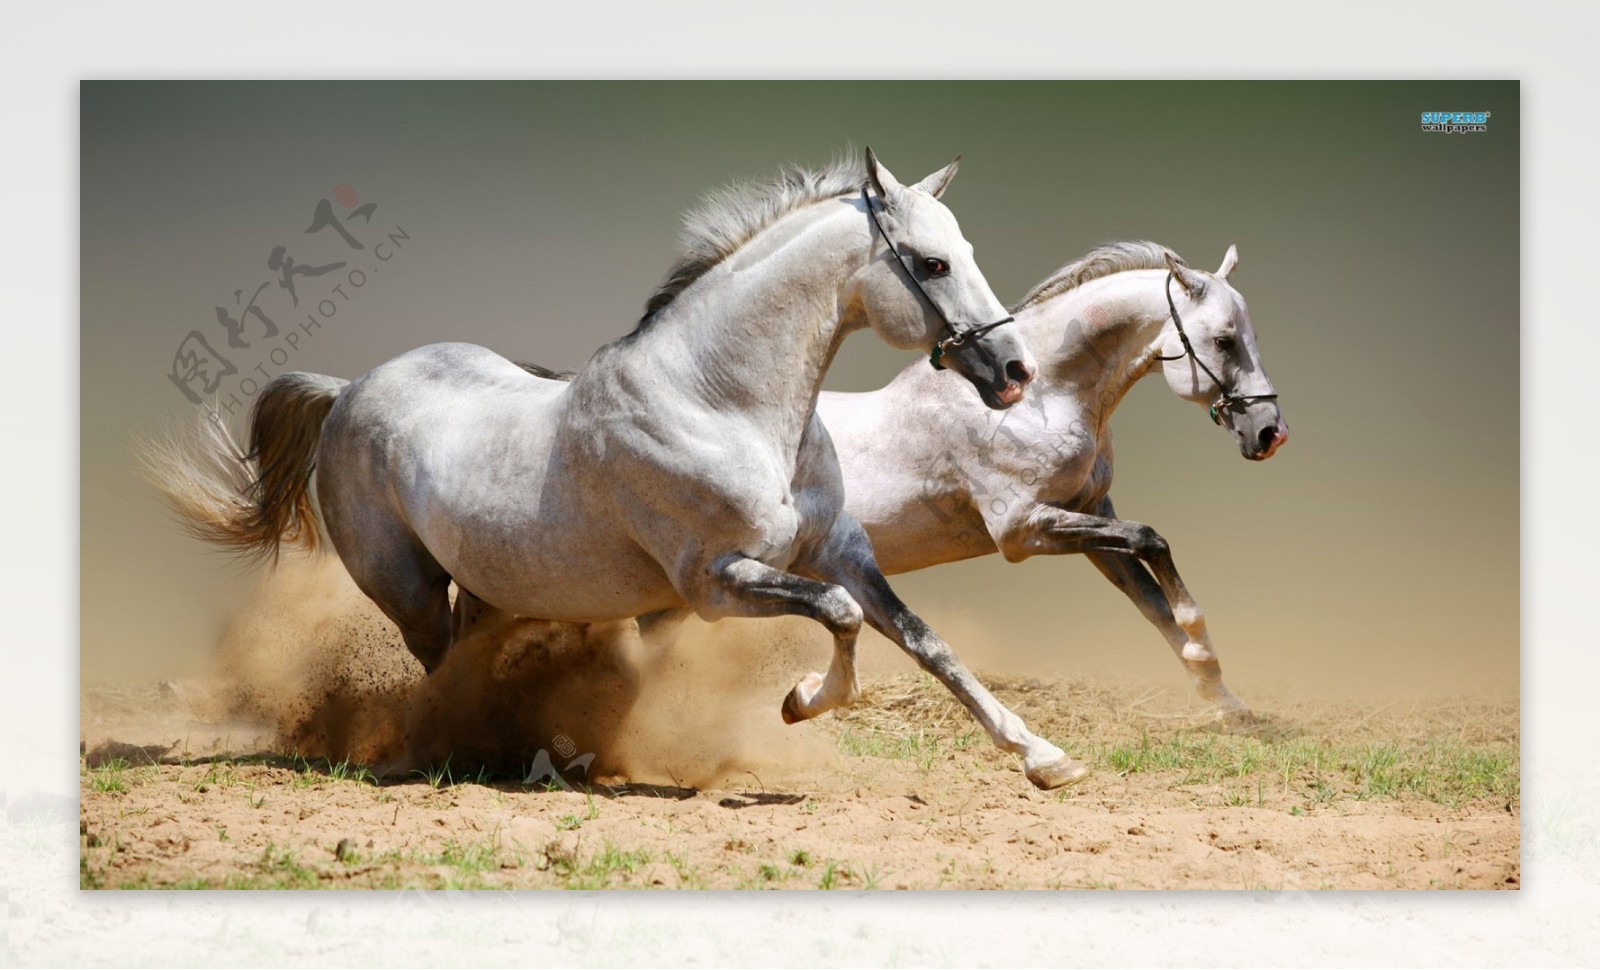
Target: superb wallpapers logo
[(1455, 122)]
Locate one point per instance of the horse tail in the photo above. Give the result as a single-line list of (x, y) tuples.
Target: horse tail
[(250, 503)]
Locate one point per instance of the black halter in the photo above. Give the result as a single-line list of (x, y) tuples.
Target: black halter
[(1227, 401), (957, 338)]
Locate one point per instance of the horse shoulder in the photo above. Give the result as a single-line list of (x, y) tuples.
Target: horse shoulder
[(668, 468)]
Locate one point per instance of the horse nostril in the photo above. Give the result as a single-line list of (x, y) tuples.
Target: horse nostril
[(1268, 436), (1019, 372)]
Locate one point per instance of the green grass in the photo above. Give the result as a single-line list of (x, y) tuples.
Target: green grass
[(600, 870), (567, 823), (116, 775), (109, 777), (1440, 770), (919, 746), (277, 868), (438, 776), (803, 869), (472, 857), (311, 772), (831, 875), (280, 869), (89, 877), (469, 863), (838, 875), (1445, 772), (688, 875), (1313, 770), (458, 866)]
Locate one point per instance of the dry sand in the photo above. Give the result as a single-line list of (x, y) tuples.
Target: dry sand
[(240, 779)]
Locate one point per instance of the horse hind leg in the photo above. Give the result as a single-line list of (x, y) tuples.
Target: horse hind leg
[(1122, 550), (422, 612), (471, 613), (1198, 657), (412, 589)]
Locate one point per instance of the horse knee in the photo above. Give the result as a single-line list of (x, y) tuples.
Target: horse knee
[(1017, 541), (1148, 544), (840, 612)]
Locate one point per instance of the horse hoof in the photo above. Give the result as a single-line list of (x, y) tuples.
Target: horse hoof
[(1057, 774), (793, 711), (791, 708), (1240, 719)]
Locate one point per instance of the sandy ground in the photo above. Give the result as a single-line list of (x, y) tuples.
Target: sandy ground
[(696, 783)]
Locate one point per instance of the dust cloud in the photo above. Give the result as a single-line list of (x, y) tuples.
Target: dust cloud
[(310, 656)]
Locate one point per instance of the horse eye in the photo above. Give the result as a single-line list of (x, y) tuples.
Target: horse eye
[(936, 266), (1226, 344)]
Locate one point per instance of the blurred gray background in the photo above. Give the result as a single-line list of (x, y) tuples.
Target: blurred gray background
[(1380, 263)]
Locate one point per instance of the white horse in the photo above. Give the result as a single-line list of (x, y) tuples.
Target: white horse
[(682, 466), (935, 478)]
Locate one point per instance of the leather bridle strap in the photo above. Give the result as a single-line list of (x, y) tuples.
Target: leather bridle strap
[(1227, 400), (957, 338)]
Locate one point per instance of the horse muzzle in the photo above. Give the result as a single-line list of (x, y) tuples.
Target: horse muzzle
[(1266, 442), (999, 369)]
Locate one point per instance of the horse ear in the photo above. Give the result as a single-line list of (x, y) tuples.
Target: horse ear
[(1191, 281), (882, 179), (1230, 263), (936, 183)]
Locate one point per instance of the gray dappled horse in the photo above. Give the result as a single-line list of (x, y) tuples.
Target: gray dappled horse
[(683, 465)]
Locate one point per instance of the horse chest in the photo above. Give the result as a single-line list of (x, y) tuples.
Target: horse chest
[(1080, 478), (1098, 483)]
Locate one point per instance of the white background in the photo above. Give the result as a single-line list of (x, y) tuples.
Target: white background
[(47, 48)]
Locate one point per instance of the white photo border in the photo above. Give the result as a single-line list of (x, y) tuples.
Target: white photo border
[(53, 46)]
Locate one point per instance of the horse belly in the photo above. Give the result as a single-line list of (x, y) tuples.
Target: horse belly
[(536, 555), (922, 537), (911, 524), (592, 583)]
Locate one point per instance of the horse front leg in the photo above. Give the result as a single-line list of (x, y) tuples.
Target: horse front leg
[(847, 559), (746, 587), (1120, 549)]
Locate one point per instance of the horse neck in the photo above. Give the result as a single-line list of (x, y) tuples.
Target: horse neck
[(1098, 339), (756, 334)]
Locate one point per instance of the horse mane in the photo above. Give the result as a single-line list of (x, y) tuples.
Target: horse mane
[(728, 218), (548, 373), (1103, 260)]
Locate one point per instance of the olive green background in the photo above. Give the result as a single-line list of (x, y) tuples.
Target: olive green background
[(1380, 263)]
